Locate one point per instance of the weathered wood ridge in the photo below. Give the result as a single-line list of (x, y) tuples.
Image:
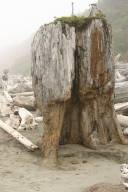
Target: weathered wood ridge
[(73, 81)]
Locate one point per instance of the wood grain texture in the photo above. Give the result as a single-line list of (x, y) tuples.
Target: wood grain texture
[(53, 63), (73, 81)]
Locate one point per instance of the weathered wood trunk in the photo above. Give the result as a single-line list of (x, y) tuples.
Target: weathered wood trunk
[(73, 81)]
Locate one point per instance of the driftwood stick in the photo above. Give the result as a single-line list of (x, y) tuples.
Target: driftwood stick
[(22, 94), (8, 97), (23, 140)]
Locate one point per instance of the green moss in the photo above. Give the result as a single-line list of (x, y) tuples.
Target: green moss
[(77, 22), (72, 21), (101, 15)]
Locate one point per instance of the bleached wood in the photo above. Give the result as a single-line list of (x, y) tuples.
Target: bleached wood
[(8, 97), (53, 63), (28, 102), (121, 92), (121, 108), (122, 68), (124, 174), (119, 77), (125, 131), (27, 119), (123, 120), (39, 119), (23, 140), (22, 94)]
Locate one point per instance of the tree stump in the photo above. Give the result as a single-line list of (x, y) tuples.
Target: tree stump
[(73, 81)]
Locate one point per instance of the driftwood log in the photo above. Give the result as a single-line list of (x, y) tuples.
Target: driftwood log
[(122, 68), (123, 120), (121, 108), (121, 85), (73, 81), (20, 87), (121, 92), (119, 77), (27, 119), (23, 140), (27, 102), (8, 97), (25, 94)]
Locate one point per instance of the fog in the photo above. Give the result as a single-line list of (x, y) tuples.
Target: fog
[(20, 19)]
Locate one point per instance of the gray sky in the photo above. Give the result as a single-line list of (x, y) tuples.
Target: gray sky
[(21, 18)]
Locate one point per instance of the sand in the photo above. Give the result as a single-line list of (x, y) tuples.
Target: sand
[(78, 168)]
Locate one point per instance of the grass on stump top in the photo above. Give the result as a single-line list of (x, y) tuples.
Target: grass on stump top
[(76, 21)]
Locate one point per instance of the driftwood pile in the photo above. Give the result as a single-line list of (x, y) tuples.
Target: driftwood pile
[(121, 95), (121, 86), (18, 109)]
